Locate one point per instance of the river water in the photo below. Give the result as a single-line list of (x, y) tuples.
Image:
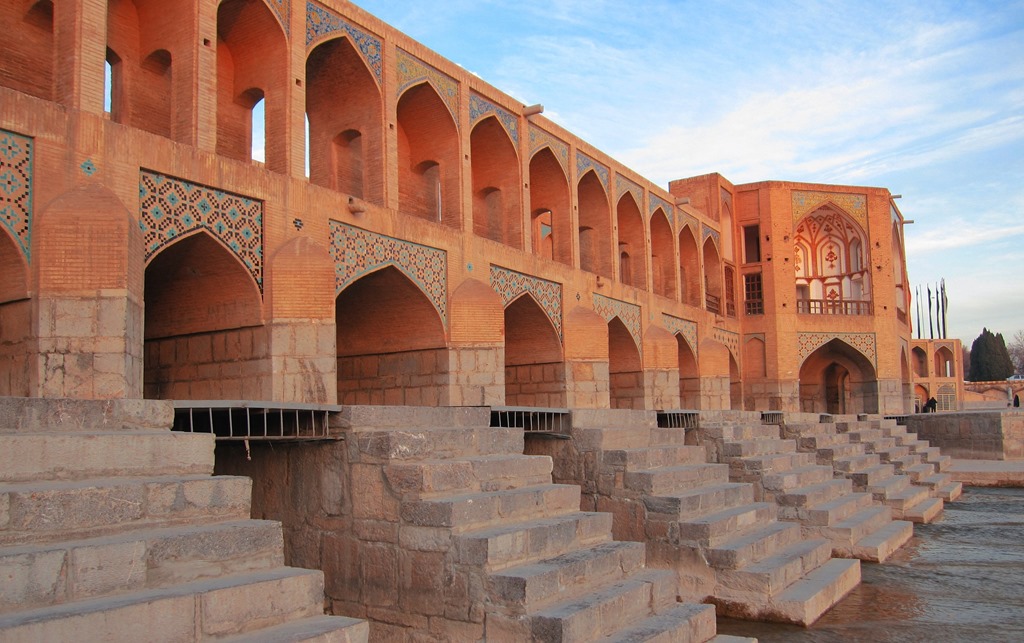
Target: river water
[(958, 579)]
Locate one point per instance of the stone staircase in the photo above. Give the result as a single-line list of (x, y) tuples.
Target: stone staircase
[(113, 529), (805, 491), (854, 459), (723, 545), (496, 551)]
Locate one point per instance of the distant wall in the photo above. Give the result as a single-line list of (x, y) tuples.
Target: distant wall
[(979, 435)]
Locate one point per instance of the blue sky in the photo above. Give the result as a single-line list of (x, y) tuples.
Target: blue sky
[(925, 98)]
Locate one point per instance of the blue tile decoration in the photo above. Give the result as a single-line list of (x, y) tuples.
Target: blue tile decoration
[(412, 71), (708, 231), (479, 108), (88, 167), (322, 23), (807, 343), (855, 205), (359, 252), (684, 327), (731, 341), (726, 196), (171, 208), (628, 314), (510, 284), (16, 188), (666, 207), (283, 10), (623, 185), (584, 164), (539, 139)]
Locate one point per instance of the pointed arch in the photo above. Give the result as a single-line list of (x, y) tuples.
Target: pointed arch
[(428, 157), (899, 272), (689, 375), (838, 378), (28, 44), (920, 361), (944, 364), (594, 225), (663, 267), (632, 242), (831, 276), (689, 268), (497, 195), (713, 280), (346, 128), (534, 358), (15, 319), (625, 368), (550, 208)]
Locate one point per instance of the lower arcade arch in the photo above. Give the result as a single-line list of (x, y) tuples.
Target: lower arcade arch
[(837, 378), (534, 362), (689, 376), (391, 343), (625, 370), (15, 320)]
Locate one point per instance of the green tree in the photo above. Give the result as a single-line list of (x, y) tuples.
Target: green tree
[(989, 358), (1016, 350)]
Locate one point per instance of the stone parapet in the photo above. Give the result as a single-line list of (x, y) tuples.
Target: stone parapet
[(979, 435)]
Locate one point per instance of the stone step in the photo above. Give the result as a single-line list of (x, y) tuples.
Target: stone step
[(810, 597), (763, 580), (777, 462), (740, 432), (804, 498), (664, 436), (865, 436), (84, 454), (681, 623), (809, 429), (535, 586), (831, 512), (607, 439), (922, 512), (867, 518), (442, 443), (40, 575), (746, 448), (852, 463), (887, 486), (200, 610), (752, 545), (817, 441), (504, 546), (40, 512), (877, 546), (602, 613), (934, 480), (871, 477), (838, 450), (894, 454), (464, 512), (323, 629), (666, 480), (681, 505), (429, 478), (918, 473), (654, 457), (949, 491), (712, 528), (803, 476), (903, 499), (942, 462)]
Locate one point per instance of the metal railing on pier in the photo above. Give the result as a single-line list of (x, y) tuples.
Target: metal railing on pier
[(772, 417), (533, 420), (246, 420), (679, 419)]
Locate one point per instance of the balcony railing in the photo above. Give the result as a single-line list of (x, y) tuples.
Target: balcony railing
[(828, 307)]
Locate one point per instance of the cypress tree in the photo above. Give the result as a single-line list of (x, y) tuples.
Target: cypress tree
[(990, 360)]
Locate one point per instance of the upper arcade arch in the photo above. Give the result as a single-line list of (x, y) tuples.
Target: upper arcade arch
[(429, 184), (713, 280), (550, 208), (346, 129), (28, 43), (497, 197), (832, 276), (632, 246), (594, 226), (663, 265), (689, 268)]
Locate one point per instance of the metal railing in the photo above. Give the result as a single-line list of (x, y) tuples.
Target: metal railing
[(826, 418), (772, 417), (679, 419), (901, 420), (829, 307), (533, 420), (252, 420)]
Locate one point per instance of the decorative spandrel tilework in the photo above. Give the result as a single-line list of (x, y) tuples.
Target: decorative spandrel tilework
[(731, 341), (684, 327), (854, 205), (358, 252), (479, 108), (283, 10), (321, 23), (628, 314), (708, 231), (726, 196), (510, 284), (584, 164), (539, 139), (412, 70), (623, 185), (666, 207), (171, 208), (16, 188), (686, 221), (807, 343)]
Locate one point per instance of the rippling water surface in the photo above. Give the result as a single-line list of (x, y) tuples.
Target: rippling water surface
[(959, 579)]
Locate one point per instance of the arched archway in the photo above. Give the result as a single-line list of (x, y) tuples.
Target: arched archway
[(837, 378), (735, 385), (832, 277), (595, 226), (944, 365), (663, 268), (712, 278), (632, 248), (625, 369), (689, 268), (920, 361), (343, 105), (921, 396), (204, 337), (689, 376), (391, 343), (550, 208), (428, 157), (15, 319), (534, 363), (28, 43), (497, 194)]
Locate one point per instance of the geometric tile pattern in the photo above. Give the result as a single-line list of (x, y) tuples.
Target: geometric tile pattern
[(585, 163), (478, 108), (628, 314), (807, 343), (854, 205), (283, 10), (710, 232), (16, 188), (684, 327), (412, 70), (510, 284), (730, 339), (322, 23), (171, 208), (539, 138), (622, 185), (358, 252), (658, 202)]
